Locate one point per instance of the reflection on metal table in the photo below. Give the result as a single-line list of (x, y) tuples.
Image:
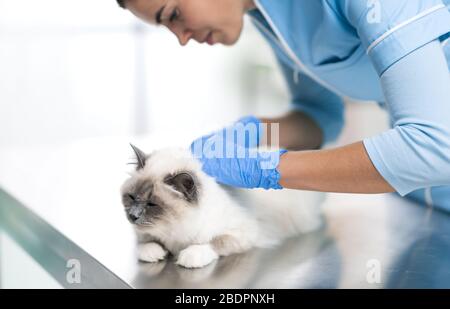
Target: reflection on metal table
[(61, 203)]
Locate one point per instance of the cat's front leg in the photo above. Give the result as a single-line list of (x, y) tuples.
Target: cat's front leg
[(197, 256), (151, 252)]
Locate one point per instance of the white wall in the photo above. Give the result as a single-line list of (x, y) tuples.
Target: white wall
[(77, 68), (80, 68)]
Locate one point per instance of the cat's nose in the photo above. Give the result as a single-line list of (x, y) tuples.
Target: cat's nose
[(133, 218), (135, 213)]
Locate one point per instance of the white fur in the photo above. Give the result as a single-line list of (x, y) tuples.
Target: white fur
[(267, 218), (197, 256), (151, 252)]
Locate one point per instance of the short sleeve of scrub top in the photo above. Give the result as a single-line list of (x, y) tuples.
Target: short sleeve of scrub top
[(415, 153), (402, 39), (391, 29)]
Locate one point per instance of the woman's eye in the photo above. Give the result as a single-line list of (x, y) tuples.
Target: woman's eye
[(174, 16)]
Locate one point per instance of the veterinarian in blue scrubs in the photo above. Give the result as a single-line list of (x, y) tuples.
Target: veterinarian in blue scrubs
[(391, 52)]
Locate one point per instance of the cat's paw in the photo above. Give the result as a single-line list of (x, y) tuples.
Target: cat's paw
[(197, 256), (151, 252)]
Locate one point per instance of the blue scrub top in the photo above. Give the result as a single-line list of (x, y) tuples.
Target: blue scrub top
[(371, 50)]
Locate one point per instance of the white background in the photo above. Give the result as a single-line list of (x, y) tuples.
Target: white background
[(79, 68)]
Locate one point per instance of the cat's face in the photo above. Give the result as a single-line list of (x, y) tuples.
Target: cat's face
[(164, 186)]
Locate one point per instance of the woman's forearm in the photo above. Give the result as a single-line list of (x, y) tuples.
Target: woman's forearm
[(297, 131), (346, 170)]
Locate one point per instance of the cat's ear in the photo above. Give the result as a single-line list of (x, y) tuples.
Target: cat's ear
[(184, 183), (140, 157)]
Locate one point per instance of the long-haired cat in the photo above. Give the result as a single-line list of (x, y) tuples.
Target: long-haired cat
[(175, 207)]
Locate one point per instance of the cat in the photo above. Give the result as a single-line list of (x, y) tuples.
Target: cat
[(176, 208)]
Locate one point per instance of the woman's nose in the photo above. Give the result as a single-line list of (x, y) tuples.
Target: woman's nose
[(183, 35)]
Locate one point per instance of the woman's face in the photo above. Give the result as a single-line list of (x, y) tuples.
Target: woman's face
[(206, 21)]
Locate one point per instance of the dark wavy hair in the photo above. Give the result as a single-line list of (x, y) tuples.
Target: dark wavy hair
[(121, 3)]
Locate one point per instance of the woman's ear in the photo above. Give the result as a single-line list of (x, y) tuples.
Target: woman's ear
[(140, 157), (184, 183)]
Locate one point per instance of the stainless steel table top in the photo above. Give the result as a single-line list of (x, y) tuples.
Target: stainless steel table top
[(64, 199)]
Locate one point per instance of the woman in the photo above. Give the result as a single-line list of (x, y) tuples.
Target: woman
[(391, 52)]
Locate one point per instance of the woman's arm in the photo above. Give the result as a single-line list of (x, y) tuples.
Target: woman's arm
[(413, 155), (347, 169), (297, 131)]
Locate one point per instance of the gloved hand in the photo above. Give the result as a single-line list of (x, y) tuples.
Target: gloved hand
[(246, 132), (242, 167)]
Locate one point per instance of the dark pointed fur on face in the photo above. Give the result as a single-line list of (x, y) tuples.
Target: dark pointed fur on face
[(184, 183), (141, 205), (148, 198)]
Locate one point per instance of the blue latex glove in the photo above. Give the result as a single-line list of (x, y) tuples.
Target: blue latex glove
[(246, 132), (241, 167)]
